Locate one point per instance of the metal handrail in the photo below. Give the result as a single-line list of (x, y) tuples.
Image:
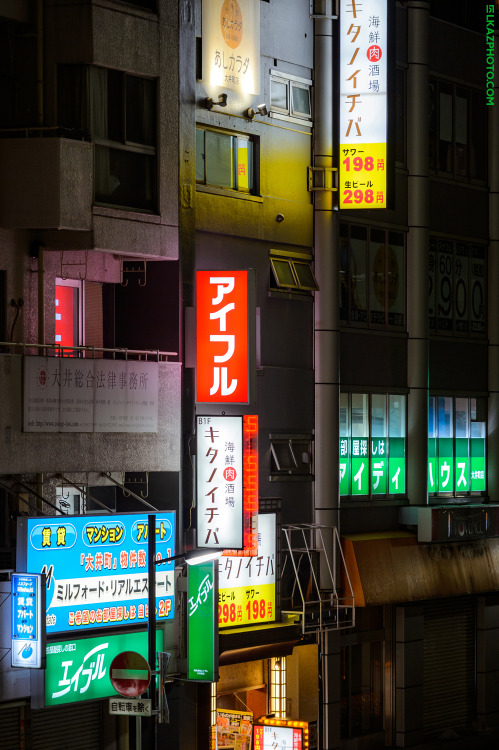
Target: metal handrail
[(65, 351)]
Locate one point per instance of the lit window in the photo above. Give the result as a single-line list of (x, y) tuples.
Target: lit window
[(291, 455), (225, 160), (456, 445), (290, 96), (372, 444)]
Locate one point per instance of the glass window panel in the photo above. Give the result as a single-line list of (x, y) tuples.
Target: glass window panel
[(200, 156), (378, 415), (301, 100), (140, 110), (445, 129), (377, 278), (360, 415), (358, 260), (461, 133), (444, 404), (115, 129), (396, 425), (395, 279), (462, 418), (477, 430), (432, 419), (279, 94), (344, 416), (125, 178), (244, 164), (219, 159), (305, 276), (283, 273), (302, 454)]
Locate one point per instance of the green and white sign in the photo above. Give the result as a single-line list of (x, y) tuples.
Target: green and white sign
[(375, 466), (78, 670), (202, 623), (460, 473)]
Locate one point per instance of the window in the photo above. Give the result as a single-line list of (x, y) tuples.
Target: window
[(459, 12), (456, 445), (372, 277), (457, 288), (292, 274), (290, 96), (372, 444), (290, 456), (458, 131), (225, 160), (119, 112)]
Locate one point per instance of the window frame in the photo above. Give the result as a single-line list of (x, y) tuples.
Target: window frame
[(480, 408), (296, 472), (347, 285), (370, 496), (292, 263), (289, 113), (235, 137)]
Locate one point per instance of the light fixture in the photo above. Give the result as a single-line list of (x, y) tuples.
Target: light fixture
[(261, 109), (192, 557), (221, 102)]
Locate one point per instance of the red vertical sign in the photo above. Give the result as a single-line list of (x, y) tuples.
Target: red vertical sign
[(65, 315), (222, 337)]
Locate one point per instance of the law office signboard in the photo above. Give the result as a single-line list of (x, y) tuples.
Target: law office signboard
[(364, 73), (96, 568), (231, 45)]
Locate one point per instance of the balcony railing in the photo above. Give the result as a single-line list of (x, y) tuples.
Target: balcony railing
[(87, 352)]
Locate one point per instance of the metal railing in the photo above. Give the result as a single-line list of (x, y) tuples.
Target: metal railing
[(88, 352)]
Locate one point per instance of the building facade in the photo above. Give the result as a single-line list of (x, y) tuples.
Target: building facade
[(147, 145)]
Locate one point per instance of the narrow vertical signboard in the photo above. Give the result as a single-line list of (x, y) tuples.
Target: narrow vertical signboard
[(28, 626), (202, 628)]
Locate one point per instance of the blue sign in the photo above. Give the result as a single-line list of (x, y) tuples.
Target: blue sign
[(26, 620), (97, 568)]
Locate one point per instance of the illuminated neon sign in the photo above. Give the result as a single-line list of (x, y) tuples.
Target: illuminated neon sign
[(364, 64), (222, 337)]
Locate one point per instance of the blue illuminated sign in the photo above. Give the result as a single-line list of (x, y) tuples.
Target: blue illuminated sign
[(97, 568), (27, 626)]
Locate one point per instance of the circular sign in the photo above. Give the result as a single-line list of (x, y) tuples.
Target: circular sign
[(374, 53), (231, 23), (130, 674), (229, 474)]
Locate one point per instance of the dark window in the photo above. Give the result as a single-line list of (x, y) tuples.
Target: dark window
[(372, 277), (225, 160), (118, 110), (290, 96), (290, 456), (292, 275), (458, 131), (457, 287), (466, 13)]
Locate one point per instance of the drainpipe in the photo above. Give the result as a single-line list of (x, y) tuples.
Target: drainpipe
[(39, 61), (326, 307), (326, 363), (417, 250)]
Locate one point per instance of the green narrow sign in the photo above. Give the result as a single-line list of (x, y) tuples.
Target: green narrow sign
[(202, 623), (478, 476)]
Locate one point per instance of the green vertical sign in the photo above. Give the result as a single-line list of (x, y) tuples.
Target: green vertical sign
[(432, 465), (360, 466), (202, 623), (478, 472), (345, 468), (379, 466), (396, 466)]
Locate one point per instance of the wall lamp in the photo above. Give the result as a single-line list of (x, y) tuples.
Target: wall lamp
[(261, 109), (221, 101), (193, 557)]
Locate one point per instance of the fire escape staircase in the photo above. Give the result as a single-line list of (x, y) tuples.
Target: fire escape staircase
[(312, 548)]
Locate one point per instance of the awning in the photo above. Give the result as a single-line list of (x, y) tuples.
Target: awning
[(391, 567), (258, 642)]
